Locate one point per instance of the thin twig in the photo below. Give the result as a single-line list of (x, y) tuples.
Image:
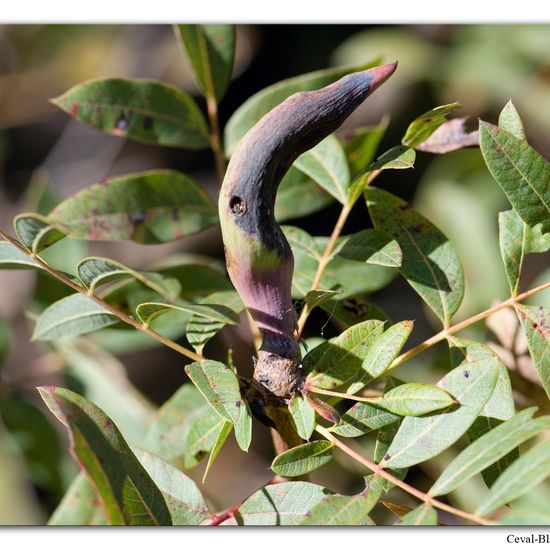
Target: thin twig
[(375, 468), (122, 316), (445, 333), (215, 136)]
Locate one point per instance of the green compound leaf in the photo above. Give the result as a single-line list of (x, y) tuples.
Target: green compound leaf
[(142, 110), (149, 311), (280, 504), (37, 232), (326, 164), (72, 316), (517, 240), (298, 196), (488, 449), (340, 510), (373, 247), (243, 427), (423, 515), (414, 399), (425, 125), (200, 329), (80, 505), (211, 50), (303, 459), (303, 416), (13, 258), (223, 434), (536, 324), (421, 438), (127, 491), (183, 498), (522, 173), (95, 271), (254, 108), (219, 386), (396, 158), (147, 207), (525, 473), (361, 419), (430, 262), (338, 361)]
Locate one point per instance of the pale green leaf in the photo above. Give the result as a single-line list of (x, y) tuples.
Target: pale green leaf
[(72, 316), (243, 427), (510, 121), (223, 434), (280, 504), (37, 232), (361, 419), (423, 515), (212, 312), (525, 473), (425, 125), (488, 449), (361, 144), (303, 459), (303, 416), (430, 263), (421, 438), (219, 386), (373, 247), (396, 158), (340, 510), (13, 258)]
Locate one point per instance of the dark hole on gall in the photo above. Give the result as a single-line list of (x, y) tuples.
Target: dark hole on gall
[(147, 122), (466, 374), (237, 205)]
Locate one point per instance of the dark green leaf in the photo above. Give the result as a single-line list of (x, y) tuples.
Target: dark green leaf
[(5, 340), (223, 434), (200, 329), (303, 416), (425, 125), (13, 258), (254, 108), (142, 110), (373, 247), (338, 361), (128, 493), (525, 473), (430, 263), (414, 399), (303, 459), (396, 158), (184, 500), (280, 504), (522, 173), (72, 316), (80, 505), (211, 50), (94, 272), (212, 312), (361, 419), (299, 196), (488, 449), (219, 386), (423, 515), (37, 232), (326, 164), (421, 438), (517, 240), (340, 510), (315, 298), (147, 207), (536, 324)]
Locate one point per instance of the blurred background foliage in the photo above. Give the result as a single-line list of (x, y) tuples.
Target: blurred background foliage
[(45, 156)]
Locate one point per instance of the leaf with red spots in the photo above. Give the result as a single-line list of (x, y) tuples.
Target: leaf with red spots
[(127, 492), (148, 207), (142, 110), (536, 324), (211, 50)]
